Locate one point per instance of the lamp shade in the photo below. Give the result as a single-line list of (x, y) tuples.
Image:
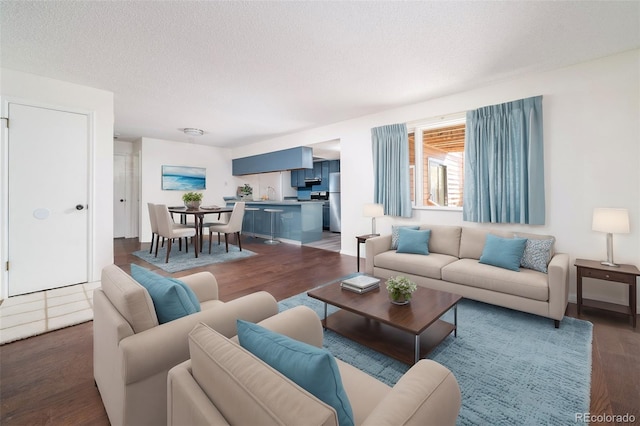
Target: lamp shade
[(613, 221), (373, 210)]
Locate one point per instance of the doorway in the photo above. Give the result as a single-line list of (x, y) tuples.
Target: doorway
[(119, 196), (48, 223), (126, 183)]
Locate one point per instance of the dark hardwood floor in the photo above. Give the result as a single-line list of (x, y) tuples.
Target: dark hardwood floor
[(48, 379)]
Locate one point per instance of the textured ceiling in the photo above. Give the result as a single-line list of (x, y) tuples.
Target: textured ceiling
[(247, 71)]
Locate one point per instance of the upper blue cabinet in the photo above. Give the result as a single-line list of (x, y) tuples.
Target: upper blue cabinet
[(287, 159), (320, 171)]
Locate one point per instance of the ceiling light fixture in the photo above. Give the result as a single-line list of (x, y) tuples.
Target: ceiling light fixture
[(193, 132)]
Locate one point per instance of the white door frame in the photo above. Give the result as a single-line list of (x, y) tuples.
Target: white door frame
[(4, 186), (123, 223), (132, 229)]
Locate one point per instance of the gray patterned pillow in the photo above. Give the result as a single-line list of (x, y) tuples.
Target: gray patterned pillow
[(394, 234), (537, 254)]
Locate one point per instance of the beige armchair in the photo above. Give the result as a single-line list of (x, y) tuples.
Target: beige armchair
[(132, 353), (224, 384)]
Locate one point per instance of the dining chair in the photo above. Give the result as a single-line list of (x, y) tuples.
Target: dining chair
[(234, 226), (223, 219), (154, 228), (169, 230)]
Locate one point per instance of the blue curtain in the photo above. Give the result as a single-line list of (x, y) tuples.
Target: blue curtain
[(504, 163), (391, 169)]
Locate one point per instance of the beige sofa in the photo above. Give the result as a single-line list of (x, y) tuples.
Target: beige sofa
[(223, 384), (132, 353), (453, 266)]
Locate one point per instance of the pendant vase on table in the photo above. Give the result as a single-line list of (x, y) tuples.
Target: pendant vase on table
[(400, 300), (193, 205)]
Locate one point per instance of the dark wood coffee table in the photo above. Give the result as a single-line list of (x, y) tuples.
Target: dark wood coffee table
[(403, 332)]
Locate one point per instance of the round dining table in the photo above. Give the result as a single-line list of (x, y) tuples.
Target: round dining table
[(198, 215)]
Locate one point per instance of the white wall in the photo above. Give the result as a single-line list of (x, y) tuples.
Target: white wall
[(592, 157), (25, 87), (154, 153)]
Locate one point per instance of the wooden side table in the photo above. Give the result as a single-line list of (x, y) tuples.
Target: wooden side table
[(625, 274), (361, 239)]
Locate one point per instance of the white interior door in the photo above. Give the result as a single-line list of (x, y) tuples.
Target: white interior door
[(120, 211), (48, 220)]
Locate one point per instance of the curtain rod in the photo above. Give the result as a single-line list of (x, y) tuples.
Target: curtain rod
[(438, 121)]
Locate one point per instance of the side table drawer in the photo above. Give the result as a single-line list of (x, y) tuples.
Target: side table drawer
[(605, 275)]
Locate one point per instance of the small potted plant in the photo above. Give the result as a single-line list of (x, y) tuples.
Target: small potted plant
[(400, 289), (192, 200), (245, 191)]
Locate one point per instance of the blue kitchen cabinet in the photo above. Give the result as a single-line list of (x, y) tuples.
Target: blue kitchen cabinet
[(297, 177), (320, 170), (298, 221), (326, 215), (315, 172), (287, 159), (324, 185), (308, 173)]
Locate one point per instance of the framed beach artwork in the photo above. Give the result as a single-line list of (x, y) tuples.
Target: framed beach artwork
[(183, 178)]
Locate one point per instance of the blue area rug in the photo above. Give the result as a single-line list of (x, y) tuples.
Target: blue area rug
[(179, 260), (512, 367)]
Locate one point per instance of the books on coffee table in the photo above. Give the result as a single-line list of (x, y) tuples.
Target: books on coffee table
[(360, 284)]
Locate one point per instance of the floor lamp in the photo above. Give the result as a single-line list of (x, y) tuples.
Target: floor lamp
[(611, 221)]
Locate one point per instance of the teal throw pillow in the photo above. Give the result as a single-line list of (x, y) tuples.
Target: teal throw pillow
[(171, 298), (413, 241), (394, 234), (503, 252), (314, 369), (537, 254)]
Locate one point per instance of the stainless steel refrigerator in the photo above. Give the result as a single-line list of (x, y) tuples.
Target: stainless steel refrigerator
[(334, 202)]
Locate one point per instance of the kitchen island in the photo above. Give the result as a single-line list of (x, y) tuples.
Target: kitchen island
[(299, 222)]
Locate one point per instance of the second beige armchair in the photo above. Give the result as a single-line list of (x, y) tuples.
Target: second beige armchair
[(224, 384)]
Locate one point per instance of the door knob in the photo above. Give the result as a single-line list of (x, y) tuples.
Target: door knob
[(122, 200), (79, 207)]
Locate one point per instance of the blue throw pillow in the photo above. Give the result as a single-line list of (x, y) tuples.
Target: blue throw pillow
[(394, 234), (413, 241), (503, 252), (171, 298), (314, 369), (537, 254)]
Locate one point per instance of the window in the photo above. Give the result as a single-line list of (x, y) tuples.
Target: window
[(436, 162)]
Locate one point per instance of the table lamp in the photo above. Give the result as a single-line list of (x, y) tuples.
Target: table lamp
[(373, 211), (611, 221)]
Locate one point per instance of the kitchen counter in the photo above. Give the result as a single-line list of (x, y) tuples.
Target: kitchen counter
[(299, 221), (285, 202)]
